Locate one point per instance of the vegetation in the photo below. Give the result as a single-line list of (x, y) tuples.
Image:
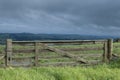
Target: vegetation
[(100, 72)]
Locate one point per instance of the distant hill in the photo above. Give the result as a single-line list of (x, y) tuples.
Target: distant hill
[(30, 37)]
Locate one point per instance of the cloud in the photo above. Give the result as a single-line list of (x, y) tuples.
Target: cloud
[(101, 17)]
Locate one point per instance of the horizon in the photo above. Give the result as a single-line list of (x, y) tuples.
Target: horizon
[(63, 34)]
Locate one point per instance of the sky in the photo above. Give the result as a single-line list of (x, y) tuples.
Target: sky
[(89, 17)]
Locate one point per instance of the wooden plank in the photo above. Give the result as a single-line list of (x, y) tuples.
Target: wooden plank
[(52, 41), (62, 42), (82, 49), (64, 53)]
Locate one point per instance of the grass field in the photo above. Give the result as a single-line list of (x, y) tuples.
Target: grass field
[(99, 72)]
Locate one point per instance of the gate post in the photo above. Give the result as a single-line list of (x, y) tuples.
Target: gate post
[(36, 53), (105, 59), (110, 49), (8, 58)]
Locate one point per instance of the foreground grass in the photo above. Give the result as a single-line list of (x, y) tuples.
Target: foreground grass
[(102, 72), (99, 72)]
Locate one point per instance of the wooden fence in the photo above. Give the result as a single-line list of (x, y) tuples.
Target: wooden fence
[(30, 53)]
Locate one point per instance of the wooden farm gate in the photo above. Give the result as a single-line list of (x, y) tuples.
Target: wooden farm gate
[(57, 53)]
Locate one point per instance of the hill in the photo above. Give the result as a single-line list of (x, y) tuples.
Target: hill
[(30, 37)]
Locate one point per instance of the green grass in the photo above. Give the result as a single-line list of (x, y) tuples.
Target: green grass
[(100, 72)]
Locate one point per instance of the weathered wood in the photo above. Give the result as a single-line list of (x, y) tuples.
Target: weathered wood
[(36, 53), (64, 53), (82, 49), (8, 59), (110, 49), (42, 46), (61, 42), (105, 59)]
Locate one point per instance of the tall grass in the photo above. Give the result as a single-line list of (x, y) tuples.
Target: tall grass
[(100, 72)]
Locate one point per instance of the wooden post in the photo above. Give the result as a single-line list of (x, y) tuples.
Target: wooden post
[(94, 42), (110, 49), (105, 59), (8, 59), (36, 53)]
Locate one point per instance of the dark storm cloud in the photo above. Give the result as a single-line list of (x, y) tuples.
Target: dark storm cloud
[(60, 16)]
